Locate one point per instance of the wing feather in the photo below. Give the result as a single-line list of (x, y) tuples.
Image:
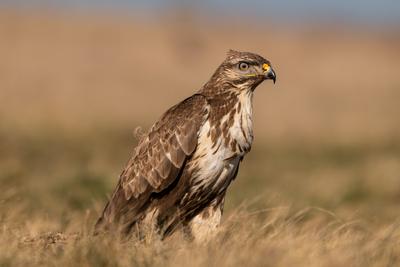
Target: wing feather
[(162, 153), (156, 162)]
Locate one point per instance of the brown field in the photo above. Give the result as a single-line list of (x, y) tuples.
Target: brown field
[(321, 186)]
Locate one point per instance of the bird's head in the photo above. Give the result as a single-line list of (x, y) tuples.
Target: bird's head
[(243, 71)]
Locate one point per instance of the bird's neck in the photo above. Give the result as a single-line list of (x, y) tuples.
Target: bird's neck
[(228, 102), (230, 115)]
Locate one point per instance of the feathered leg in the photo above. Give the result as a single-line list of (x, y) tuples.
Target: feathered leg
[(205, 224)]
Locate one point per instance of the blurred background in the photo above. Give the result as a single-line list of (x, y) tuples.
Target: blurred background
[(78, 77)]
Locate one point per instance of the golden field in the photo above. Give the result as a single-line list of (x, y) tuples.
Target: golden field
[(321, 186)]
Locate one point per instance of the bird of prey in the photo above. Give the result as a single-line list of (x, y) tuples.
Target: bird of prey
[(180, 170)]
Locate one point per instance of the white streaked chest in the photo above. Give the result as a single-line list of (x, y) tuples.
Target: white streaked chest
[(216, 160), (242, 128)]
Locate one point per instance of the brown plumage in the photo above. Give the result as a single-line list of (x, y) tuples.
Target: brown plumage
[(180, 171)]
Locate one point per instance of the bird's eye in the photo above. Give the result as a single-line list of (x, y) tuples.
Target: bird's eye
[(243, 66)]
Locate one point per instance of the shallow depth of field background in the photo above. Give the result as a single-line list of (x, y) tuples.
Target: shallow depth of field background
[(321, 186)]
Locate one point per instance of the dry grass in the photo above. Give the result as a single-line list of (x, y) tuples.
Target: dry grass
[(321, 186), (273, 237)]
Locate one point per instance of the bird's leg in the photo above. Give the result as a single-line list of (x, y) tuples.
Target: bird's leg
[(204, 225)]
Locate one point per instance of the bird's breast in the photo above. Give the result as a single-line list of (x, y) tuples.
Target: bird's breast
[(221, 146)]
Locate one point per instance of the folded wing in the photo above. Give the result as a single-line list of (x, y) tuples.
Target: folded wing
[(158, 159)]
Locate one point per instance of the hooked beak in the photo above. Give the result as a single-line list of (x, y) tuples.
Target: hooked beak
[(269, 73)]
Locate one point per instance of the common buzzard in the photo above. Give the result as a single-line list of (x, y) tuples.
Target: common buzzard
[(180, 170)]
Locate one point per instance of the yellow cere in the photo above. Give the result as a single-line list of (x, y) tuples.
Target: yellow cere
[(266, 67)]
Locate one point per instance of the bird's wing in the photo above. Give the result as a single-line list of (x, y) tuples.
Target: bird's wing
[(161, 154)]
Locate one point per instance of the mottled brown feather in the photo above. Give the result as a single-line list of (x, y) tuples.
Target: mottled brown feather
[(157, 159)]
